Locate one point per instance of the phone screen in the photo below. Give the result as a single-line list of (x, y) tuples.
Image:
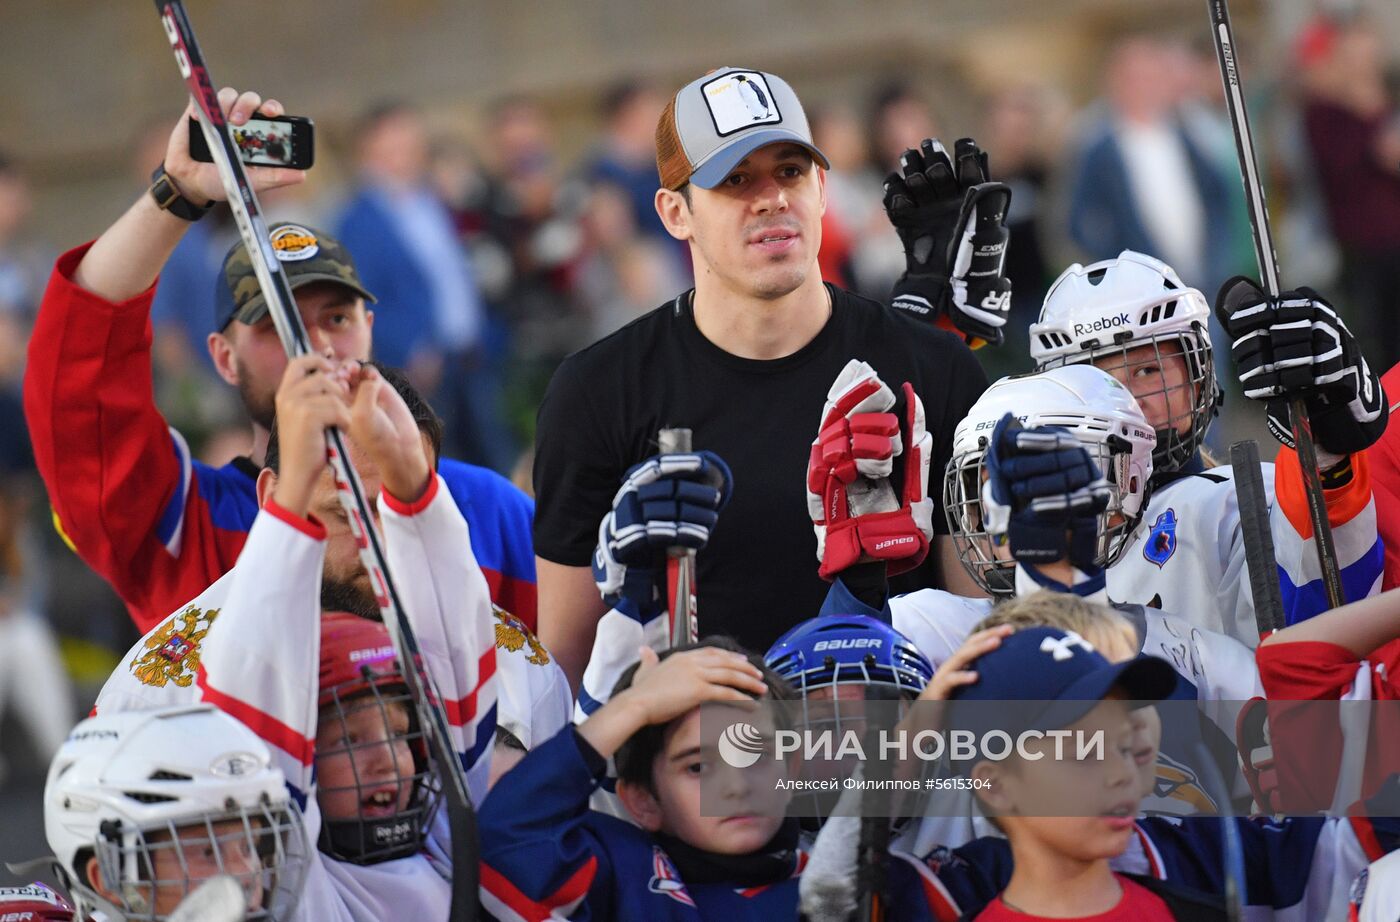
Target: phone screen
[(265, 141), (284, 142)]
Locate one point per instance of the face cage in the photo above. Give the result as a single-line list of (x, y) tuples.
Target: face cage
[(879, 682), (372, 839), (962, 502), (1174, 449), (274, 834)]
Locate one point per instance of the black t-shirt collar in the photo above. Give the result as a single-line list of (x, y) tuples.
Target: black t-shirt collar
[(683, 308)]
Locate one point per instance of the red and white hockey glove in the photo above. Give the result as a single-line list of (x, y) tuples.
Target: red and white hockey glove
[(858, 511)]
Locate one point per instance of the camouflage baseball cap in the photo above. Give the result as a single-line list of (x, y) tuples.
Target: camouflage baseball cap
[(306, 254)]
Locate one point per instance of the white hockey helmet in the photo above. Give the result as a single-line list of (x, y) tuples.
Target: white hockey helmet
[(150, 793), (1087, 402), (1097, 313)]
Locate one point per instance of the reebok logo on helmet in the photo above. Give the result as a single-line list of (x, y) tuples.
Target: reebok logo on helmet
[(1103, 323)]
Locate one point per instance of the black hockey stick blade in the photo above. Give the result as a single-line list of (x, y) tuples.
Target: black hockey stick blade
[(277, 292), (1258, 539), (1226, 54)]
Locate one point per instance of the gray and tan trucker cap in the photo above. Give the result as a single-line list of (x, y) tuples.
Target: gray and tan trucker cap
[(718, 120)]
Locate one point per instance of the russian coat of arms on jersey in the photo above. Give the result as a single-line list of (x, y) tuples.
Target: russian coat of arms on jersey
[(513, 635), (171, 653), (1161, 539)]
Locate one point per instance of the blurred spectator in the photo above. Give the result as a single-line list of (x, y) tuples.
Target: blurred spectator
[(899, 118), (533, 215), (626, 153), (853, 193), (429, 318), (1353, 130), (1140, 181), (623, 274), (23, 266), (1018, 133), (32, 675)]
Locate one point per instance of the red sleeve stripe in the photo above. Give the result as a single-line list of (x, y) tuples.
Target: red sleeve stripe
[(1366, 835), (308, 526), (557, 905), (461, 711), (269, 728), (415, 507)]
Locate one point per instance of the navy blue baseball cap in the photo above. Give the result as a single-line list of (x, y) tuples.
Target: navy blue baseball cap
[(1059, 675)]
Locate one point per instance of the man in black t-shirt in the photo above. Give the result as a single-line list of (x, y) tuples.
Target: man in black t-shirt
[(744, 361)]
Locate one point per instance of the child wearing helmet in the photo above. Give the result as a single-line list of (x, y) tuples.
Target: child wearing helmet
[(1135, 318), (323, 688), (141, 807)]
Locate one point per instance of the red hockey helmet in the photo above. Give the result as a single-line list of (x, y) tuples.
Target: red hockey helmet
[(360, 687), (356, 653), (34, 903)]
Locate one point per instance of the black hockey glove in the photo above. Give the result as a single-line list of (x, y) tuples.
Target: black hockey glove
[(1299, 347), (952, 221)]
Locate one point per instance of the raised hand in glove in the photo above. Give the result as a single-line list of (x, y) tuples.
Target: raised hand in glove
[(1297, 346), (1044, 493), (667, 501), (859, 511), (952, 221)]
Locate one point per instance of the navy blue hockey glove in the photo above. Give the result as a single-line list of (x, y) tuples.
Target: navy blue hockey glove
[(667, 501), (1045, 493), (952, 221), (1297, 346)]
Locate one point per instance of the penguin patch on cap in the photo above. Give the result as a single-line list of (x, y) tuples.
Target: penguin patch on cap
[(739, 100), (293, 243)]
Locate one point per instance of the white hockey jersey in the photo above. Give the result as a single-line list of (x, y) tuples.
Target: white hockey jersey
[(250, 643), (533, 698), (1188, 553), (1375, 895)]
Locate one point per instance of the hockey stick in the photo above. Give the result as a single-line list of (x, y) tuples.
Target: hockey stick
[(281, 306), (1258, 539), (218, 899), (680, 562), (1268, 268)]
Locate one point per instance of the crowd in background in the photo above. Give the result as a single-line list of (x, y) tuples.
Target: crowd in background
[(491, 264)]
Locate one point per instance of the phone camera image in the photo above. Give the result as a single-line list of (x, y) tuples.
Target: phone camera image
[(265, 142)]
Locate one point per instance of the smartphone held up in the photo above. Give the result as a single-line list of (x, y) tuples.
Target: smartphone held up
[(287, 141)]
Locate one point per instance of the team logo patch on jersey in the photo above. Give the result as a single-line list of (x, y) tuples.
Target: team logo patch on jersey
[(665, 880), (513, 635), (171, 653), (1161, 540), (1177, 782), (739, 100)]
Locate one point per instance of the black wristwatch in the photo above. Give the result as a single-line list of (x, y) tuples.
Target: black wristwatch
[(168, 198)]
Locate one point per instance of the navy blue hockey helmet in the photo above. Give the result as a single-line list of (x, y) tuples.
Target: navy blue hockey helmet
[(849, 650)]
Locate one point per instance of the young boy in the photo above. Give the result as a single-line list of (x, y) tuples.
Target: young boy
[(708, 841), (142, 807), (1298, 868), (324, 690)]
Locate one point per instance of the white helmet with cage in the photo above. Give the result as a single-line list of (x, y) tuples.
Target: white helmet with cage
[(151, 795), (1098, 313), (1081, 399)]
